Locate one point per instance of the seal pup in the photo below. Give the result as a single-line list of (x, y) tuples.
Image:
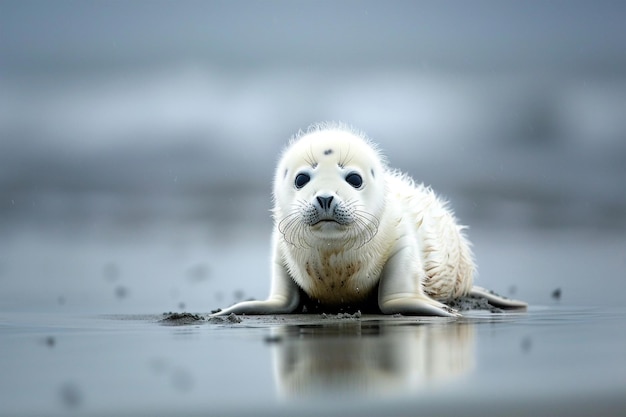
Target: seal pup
[(347, 227)]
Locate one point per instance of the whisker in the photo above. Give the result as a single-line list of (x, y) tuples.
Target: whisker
[(293, 226)]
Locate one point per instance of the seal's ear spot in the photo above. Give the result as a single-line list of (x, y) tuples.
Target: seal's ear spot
[(354, 180), (302, 179)]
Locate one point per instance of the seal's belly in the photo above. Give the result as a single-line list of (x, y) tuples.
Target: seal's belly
[(336, 283)]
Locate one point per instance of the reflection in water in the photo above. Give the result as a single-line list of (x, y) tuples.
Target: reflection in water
[(388, 359)]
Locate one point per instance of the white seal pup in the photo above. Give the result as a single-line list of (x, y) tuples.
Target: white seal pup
[(347, 227)]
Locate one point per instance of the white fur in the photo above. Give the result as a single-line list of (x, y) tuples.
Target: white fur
[(388, 232)]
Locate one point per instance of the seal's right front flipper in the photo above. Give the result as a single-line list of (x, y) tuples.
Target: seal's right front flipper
[(498, 300), (273, 305)]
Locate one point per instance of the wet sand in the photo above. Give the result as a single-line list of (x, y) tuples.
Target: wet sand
[(568, 361)]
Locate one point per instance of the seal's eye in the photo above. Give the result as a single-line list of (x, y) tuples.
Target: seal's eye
[(302, 180), (354, 180)]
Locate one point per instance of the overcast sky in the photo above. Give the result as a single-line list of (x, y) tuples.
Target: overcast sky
[(491, 35)]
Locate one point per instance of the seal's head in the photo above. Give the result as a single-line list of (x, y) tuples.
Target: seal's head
[(329, 189)]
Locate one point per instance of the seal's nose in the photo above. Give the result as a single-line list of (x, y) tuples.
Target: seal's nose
[(325, 202)]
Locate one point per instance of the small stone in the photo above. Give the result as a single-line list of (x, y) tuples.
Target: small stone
[(233, 318), (272, 339), (181, 318), (71, 395), (527, 344)]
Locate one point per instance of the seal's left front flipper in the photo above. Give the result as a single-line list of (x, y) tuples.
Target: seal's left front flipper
[(498, 300)]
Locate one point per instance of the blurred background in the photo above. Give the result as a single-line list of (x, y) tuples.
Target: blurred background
[(138, 139)]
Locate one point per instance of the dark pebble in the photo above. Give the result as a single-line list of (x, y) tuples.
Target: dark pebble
[(121, 292), (527, 344), (71, 395), (50, 341), (272, 339)]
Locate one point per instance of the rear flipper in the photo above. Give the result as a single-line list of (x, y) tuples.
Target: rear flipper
[(497, 300)]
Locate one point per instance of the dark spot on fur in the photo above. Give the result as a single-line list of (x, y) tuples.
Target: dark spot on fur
[(285, 174), (328, 152), (372, 171)]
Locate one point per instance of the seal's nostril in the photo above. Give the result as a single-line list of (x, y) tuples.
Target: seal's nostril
[(325, 202)]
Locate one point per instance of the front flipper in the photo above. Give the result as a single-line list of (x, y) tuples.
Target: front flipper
[(497, 300), (400, 288), (273, 305), (416, 306)]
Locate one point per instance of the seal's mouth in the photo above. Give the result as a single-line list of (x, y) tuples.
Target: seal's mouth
[(325, 221), (326, 224)]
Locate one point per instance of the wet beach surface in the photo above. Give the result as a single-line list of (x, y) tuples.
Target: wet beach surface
[(549, 359)]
